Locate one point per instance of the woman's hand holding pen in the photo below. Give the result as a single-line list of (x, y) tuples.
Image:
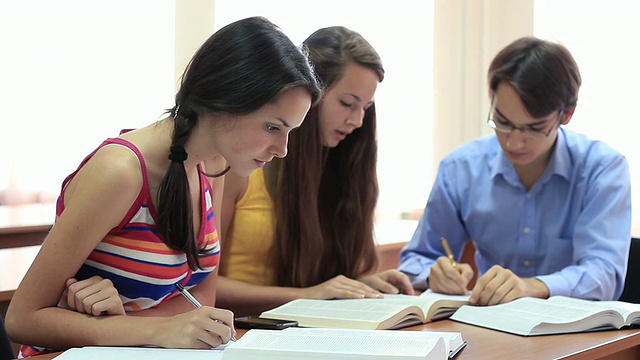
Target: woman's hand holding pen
[(201, 328)]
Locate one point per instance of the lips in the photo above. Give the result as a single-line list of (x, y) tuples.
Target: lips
[(342, 134), (516, 155)]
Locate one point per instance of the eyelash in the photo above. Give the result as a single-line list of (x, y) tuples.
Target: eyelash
[(349, 105), (271, 127)]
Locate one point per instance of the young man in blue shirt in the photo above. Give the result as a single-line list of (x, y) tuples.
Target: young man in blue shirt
[(548, 210)]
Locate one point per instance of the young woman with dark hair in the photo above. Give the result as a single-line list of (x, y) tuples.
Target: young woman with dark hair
[(137, 216)]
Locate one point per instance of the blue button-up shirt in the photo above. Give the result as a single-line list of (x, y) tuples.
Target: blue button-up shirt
[(571, 230)]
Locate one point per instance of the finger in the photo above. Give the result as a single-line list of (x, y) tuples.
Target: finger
[(357, 287), (225, 318), (491, 284), (447, 279), (479, 288), (404, 284), (106, 302), (507, 290), (382, 285), (408, 289), (400, 281), (223, 332), (361, 286), (77, 290), (346, 294), (452, 273), (208, 340), (499, 294), (102, 297), (70, 293), (86, 300)]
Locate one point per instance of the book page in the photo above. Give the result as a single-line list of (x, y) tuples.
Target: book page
[(442, 305), (533, 316), (337, 344), (349, 313), (430, 294), (137, 353), (451, 339), (629, 311)]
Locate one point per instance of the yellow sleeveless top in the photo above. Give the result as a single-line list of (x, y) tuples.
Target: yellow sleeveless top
[(247, 246)]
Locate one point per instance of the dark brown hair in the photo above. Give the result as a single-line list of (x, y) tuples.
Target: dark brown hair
[(325, 198), (543, 73), (239, 69)]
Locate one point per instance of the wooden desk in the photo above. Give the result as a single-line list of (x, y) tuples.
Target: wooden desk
[(25, 225), (489, 344)]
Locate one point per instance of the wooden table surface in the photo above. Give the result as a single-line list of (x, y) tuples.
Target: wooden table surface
[(489, 344)]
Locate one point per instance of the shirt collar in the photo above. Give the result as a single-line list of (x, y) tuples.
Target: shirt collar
[(559, 163)]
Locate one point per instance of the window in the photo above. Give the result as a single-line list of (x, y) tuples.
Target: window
[(403, 99), (74, 73), (602, 38)]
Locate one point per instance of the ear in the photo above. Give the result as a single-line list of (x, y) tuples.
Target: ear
[(568, 113)]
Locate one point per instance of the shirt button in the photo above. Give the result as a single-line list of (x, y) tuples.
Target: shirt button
[(526, 230), (526, 263)]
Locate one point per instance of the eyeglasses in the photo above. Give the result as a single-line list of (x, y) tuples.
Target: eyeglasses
[(507, 127)]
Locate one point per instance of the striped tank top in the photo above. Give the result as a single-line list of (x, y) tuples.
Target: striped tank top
[(133, 256)]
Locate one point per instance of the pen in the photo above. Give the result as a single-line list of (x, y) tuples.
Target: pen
[(193, 300), (447, 250), (188, 295)]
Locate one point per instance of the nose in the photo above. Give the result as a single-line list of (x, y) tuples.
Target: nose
[(356, 118), (279, 148), (516, 139)]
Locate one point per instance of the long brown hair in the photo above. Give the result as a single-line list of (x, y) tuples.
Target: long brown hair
[(239, 69), (325, 198)]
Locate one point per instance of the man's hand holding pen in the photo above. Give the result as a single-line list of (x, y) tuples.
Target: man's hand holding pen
[(449, 276)]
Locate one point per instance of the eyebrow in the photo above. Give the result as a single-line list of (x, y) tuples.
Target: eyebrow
[(540, 122), (286, 124)]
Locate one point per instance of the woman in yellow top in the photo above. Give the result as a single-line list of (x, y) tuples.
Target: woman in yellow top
[(302, 227)]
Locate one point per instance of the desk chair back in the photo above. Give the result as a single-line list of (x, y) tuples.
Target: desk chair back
[(6, 350), (631, 290)]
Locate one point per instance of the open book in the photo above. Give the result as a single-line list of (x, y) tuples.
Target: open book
[(138, 353), (556, 315), (308, 343), (297, 343), (390, 312)]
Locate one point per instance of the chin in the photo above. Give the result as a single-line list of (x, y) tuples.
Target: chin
[(331, 144), (243, 172)]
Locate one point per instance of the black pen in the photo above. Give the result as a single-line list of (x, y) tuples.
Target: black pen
[(193, 300)]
